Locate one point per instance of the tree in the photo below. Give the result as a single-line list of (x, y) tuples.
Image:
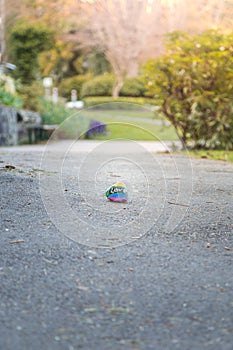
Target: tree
[(121, 29), (125, 32), (192, 83), (55, 62), (209, 14), (128, 32), (26, 42), (58, 15), (9, 11), (2, 30)]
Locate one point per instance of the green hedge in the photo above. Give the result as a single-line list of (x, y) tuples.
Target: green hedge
[(101, 85), (133, 87), (75, 83)]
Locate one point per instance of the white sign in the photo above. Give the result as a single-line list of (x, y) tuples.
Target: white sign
[(73, 95), (47, 82), (55, 95)]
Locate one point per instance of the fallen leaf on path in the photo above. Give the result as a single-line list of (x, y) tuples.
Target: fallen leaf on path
[(208, 245), (16, 241), (9, 166), (63, 330), (91, 309), (227, 248), (119, 311), (180, 204), (52, 262), (83, 288)]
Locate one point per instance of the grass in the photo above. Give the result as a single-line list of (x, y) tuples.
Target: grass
[(134, 125), (124, 121), (213, 154), (138, 131)]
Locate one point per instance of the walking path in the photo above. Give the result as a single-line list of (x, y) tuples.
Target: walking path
[(80, 272), (87, 146)]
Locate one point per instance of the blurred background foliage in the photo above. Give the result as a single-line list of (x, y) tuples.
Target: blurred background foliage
[(182, 65)]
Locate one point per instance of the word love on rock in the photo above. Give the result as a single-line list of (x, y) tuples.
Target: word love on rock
[(117, 192)]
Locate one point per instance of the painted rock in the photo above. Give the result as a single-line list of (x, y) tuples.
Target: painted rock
[(117, 192)]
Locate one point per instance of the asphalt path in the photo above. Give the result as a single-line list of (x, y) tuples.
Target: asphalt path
[(80, 272)]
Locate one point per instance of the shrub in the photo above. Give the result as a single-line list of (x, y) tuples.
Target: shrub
[(8, 95), (69, 84), (101, 85), (133, 87), (192, 83), (52, 113), (10, 100), (31, 94), (74, 125), (7, 84)]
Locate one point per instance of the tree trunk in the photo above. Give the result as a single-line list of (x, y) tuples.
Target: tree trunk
[(2, 30), (117, 87), (133, 69), (120, 75)]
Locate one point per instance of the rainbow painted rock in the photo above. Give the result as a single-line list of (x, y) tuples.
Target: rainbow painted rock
[(117, 192)]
